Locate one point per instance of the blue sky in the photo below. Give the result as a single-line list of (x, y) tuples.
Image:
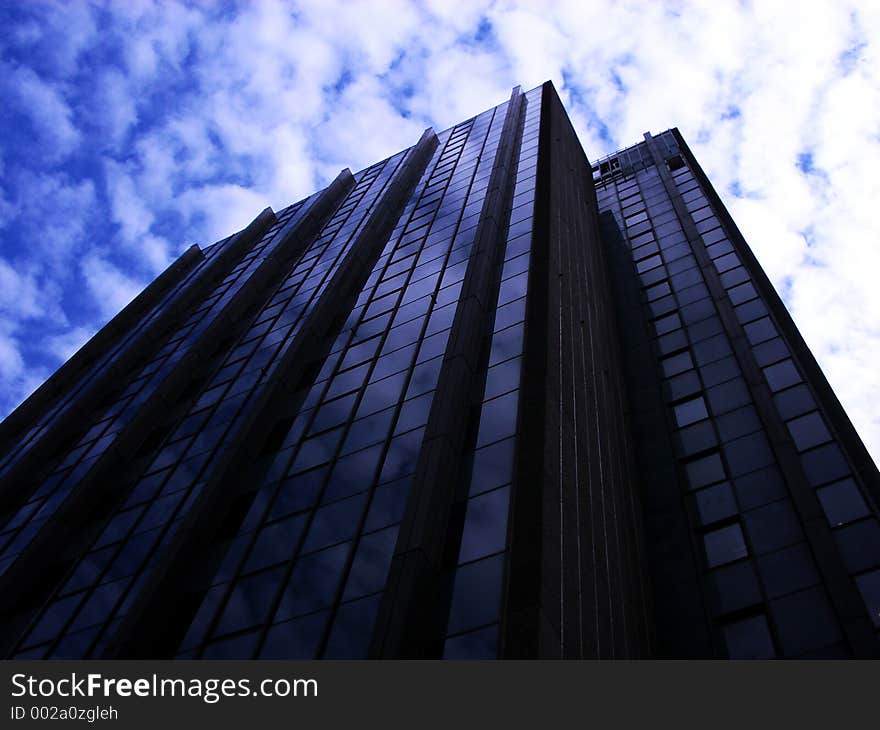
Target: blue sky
[(130, 130)]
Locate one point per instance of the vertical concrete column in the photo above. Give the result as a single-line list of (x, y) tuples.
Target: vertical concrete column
[(576, 585)]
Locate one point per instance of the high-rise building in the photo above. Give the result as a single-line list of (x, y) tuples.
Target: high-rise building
[(480, 399)]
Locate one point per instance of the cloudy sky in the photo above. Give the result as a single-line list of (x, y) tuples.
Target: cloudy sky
[(129, 130)]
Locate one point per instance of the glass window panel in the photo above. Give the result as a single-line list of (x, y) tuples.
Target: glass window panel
[(358, 353), (760, 330), (510, 314), (492, 467), (88, 569), (314, 582), (705, 470), (333, 413), (805, 621), (859, 545), (676, 364), (513, 288), (749, 638), (433, 346), (719, 371), (715, 503), (352, 473), (403, 453), (770, 351), (235, 647), (738, 423), (728, 396), (759, 487), (502, 378), (75, 646), (316, 450), (347, 381), (424, 377), (711, 349), (388, 504), (476, 594), (808, 431), (682, 385), (657, 291), (794, 401), (825, 464), (296, 639), (742, 293), (369, 430), (667, 324), (773, 526), (335, 522), (498, 419), (298, 492), (275, 542), (788, 570), (485, 525), (782, 375), (750, 310), (506, 344), (414, 412), (352, 629), (733, 588), (249, 601), (842, 502), (748, 453), (724, 545), (160, 511), (690, 411), (696, 437), (479, 644), (371, 563), (403, 335), (380, 394), (132, 554), (119, 526)]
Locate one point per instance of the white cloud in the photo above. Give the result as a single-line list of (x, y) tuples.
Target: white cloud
[(47, 108), (197, 118), (112, 289), (63, 346)]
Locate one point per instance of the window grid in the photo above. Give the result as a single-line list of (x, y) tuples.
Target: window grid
[(850, 511), (24, 523), (720, 439), (33, 435), (169, 483), (415, 311), (477, 579)]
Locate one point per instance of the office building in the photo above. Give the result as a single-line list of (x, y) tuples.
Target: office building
[(481, 399)]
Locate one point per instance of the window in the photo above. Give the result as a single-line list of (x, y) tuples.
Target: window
[(690, 411), (842, 502), (749, 639), (715, 503), (808, 431), (773, 526), (675, 163), (704, 471), (724, 545), (782, 375)]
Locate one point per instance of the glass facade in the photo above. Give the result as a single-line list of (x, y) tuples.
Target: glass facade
[(758, 460), (246, 468)]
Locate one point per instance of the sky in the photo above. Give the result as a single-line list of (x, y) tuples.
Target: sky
[(130, 130)]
